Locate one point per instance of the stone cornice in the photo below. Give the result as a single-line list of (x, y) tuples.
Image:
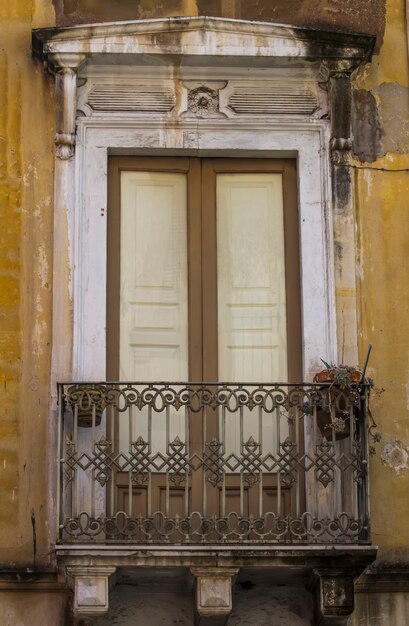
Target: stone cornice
[(203, 36)]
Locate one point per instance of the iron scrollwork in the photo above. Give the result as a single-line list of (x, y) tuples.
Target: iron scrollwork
[(259, 451)]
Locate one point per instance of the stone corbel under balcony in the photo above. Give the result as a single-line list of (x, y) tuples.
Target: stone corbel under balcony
[(91, 587), (213, 594), (333, 591)]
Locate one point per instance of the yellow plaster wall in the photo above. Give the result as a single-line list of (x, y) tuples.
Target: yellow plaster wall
[(19, 608), (25, 287), (382, 214), (26, 159)]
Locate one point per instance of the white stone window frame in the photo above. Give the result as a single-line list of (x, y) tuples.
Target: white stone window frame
[(97, 138), (210, 48)]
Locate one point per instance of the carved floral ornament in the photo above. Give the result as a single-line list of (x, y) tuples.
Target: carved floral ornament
[(203, 101), (340, 151)]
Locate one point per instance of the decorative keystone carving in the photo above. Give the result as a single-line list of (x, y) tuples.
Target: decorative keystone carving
[(213, 595), (203, 101), (334, 598), (91, 590)]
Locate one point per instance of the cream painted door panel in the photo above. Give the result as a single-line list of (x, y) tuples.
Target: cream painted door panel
[(153, 336), (252, 335), (251, 278)]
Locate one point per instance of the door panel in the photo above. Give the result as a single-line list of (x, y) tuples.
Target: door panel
[(250, 221), (153, 292), (252, 341), (153, 321)]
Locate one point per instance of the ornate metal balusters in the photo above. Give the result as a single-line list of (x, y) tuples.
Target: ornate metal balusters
[(150, 469), (188, 471), (276, 414), (295, 423), (261, 419), (232, 454), (74, 450), (132, 436), (223, 450), (242, 451)]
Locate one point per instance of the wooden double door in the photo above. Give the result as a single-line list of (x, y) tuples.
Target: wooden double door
[(203, 285)]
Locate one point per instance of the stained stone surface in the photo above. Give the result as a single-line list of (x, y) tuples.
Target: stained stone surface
[(268, 605), (258, 600), (356, 15), (130, 608)]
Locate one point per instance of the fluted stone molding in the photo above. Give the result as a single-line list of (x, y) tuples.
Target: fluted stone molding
[(66, 67), (338, 78)]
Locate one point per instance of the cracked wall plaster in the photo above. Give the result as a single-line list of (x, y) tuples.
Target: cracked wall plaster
[(396, 456)]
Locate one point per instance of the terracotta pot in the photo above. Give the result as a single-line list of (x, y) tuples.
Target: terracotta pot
[(327, 376)]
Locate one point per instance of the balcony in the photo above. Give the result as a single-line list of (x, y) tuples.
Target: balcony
[(207, 481), (212, 463)]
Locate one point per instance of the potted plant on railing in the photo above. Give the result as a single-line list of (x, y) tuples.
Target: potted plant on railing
[(337, 395)]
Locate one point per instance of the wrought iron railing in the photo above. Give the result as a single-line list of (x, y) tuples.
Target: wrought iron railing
[(211, 463)]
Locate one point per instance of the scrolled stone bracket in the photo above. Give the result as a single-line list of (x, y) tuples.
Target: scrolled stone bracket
[(65, 67), (64, 145), (213, 594), (340, 151), (91, 587), (338, 68)]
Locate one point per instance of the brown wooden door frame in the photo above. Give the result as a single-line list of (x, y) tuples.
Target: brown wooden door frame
[(202, 279)]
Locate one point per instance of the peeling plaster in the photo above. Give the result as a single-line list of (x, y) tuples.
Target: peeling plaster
[(43, 265), (39, 332), (366, 127), (396, 456), (393, 108), (380, 122)]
